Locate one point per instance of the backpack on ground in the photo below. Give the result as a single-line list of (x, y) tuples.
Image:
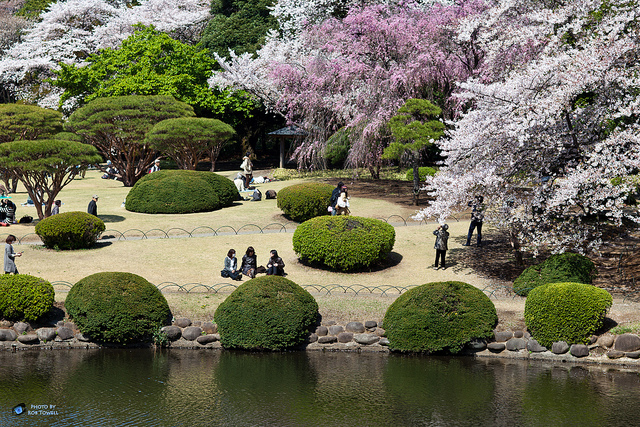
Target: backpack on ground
[(257, 196), (271, 194)]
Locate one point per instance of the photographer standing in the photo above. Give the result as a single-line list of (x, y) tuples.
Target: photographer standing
[(477, 216)]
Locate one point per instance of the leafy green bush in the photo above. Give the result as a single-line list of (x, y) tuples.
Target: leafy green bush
[(266, 313), (115, 307), (337, 148), (566, 267), (25, 297), (70, 230), (345, 243), (305, 201), (569, 312), (439, 316), (181, 191), (423, 171)]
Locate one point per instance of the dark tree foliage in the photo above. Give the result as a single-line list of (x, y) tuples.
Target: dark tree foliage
[(117, 127), (239, 25)]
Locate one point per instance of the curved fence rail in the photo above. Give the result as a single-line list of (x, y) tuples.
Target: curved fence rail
[(493, 291), (206, 231)]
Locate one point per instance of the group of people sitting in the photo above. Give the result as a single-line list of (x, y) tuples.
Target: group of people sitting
[(249, 266)]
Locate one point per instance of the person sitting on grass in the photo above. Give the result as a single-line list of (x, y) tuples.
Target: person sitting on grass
[(275, 266), (249, 263), (231, 266)]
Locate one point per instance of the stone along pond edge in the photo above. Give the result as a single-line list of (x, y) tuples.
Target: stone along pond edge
[(367, 337)]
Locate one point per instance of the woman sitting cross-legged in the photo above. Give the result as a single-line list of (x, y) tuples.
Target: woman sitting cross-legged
[(275, 266), (231, 266), (249, 263)]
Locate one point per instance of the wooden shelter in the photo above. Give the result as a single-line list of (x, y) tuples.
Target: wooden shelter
[(290, 133)]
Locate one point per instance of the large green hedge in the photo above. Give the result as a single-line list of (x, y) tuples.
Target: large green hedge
[(566, 267), (266, 313), (569, 312), (305, 201), (345, 243), (181, 191), (70, 230), (114, 307), (439, 316), (24, 297)]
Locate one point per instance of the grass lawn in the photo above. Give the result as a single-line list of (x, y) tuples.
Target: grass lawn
[(198, 260)]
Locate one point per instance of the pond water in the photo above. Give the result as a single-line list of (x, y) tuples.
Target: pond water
[(222, 388)]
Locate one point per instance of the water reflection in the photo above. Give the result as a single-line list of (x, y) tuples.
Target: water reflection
[(220, 388)]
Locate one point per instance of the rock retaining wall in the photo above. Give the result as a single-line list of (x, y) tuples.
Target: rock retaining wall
[(331, 336)]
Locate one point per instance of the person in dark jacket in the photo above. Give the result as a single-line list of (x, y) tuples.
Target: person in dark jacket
[(275, 266), (93, 207), (335, 195), (249, 263), (442, 238), (477, 216)]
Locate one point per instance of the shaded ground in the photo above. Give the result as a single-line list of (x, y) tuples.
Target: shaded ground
[(399, 192), (618, 263)]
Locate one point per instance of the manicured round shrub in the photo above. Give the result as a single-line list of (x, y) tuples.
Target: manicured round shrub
[(115, 307), (423, 172), (569, 312), (305, 201), (345, 243), (566, 267), (24, 297), (70, 230), (181, 191), (266, 313), (439, 316)]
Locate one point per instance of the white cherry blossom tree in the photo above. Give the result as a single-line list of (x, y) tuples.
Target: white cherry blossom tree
[(552, 146)]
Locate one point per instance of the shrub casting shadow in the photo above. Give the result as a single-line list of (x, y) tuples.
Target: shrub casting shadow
[(392, 260), (111, 218), (101, 244), (54, 315)]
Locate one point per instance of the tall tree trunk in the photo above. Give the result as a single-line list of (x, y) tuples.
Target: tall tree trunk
[(515, 244), (415, 160)]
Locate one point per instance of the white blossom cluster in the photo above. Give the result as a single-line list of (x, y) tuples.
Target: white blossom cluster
[(550, 146), (72, 30)]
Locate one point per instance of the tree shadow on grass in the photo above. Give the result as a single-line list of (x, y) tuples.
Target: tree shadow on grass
[(111, 218), (392, 260)]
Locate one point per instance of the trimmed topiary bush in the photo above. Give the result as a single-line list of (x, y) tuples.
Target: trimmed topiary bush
[(181, 191), (266, 313), (24, 297), (566, 267), (305, 201), (423, 172), (117, 307), (70, 230), (569, 312), (345, 243), (439, 316)]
